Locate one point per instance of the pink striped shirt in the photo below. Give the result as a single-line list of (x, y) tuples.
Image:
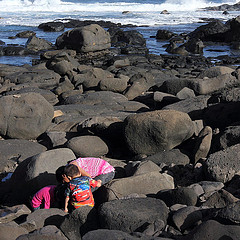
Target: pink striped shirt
[(94, 166)]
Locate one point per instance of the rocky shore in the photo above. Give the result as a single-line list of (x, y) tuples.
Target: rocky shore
[(225, 7), (169, 124)]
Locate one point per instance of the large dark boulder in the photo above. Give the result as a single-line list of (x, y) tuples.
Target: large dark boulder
[(220, 199), (14, 151), (152, 132), (52, 26), (222, 115), (47, 94), (194, 46), (173, 156), (223, 165), (163, 34), (85, 39), (214, 31), (25, 34), (79, 222), (24, 116), (212, 230), (229, 214), (107, 234), (130, 215), (36, 44), (133, 37), (121, 38), (182, 195), (234, 32), (139, 184), (35, 173), (226, 138), (11, 231), (82, 146), (44, 217), (46, 233), (13, 51), (42, 78), (103, 102)]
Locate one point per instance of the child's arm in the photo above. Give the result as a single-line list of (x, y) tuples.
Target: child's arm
[(66, 204), (95, 183)]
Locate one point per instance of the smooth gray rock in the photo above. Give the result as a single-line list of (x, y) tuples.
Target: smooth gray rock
[(42, 78), (36, 44), (79, 222), (194, 107), (145, 167), (215, 71), (46, 233), (89, 38), (37, 172), (128, 215), (220, 199), (10, 231), (83, 146), (14, 151), (187, 217), (47, 94), (213, 230), (24, 116), (7, 214), (44, 217), (173, 156), (152, 132), (140, 184), (181, 195)]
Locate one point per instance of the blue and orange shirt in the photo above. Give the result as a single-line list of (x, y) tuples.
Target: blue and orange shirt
[(79, 191)]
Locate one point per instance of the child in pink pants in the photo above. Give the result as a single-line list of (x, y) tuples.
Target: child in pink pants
[(44, 198)]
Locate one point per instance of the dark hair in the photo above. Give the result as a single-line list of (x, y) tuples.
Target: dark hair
[(59, 194), (71, 170), (59, 173)]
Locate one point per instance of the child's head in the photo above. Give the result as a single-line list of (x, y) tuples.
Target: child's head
[(59, 174), (72, 171)]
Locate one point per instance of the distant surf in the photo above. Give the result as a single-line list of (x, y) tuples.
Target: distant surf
[(140, 12)]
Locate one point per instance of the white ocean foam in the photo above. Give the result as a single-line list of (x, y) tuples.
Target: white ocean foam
[(32, 13), (117, 6)]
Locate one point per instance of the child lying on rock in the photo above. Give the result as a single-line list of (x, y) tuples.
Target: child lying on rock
[(78, 191)]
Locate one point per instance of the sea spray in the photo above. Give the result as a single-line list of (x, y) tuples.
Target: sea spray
[(103, 5)]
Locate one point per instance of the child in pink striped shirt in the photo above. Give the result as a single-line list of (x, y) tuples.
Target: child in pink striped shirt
[(95, 168)]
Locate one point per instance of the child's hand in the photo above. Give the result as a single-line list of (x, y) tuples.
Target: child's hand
[(99, 183), (65, 210)]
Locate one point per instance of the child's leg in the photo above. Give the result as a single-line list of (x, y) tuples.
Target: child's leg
[(105, 178), (36, 208)]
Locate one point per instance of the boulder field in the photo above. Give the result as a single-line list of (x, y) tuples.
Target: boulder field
[(169, 124)]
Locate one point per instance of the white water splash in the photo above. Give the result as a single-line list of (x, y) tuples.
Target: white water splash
[(106, 6), (142, 12)]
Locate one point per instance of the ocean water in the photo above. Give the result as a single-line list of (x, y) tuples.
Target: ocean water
[(185, 15)]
